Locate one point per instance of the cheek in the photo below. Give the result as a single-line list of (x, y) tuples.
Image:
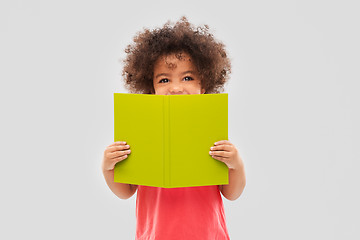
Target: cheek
[(196, 84), (195, 89), (159, 89)]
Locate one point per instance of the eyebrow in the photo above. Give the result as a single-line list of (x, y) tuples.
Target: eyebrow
[(164, 74)]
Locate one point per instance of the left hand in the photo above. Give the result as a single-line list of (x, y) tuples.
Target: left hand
[(227, 153)]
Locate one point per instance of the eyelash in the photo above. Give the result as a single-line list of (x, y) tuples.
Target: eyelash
[(168, 79)]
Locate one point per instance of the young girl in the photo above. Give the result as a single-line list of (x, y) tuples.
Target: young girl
[(178, 59)]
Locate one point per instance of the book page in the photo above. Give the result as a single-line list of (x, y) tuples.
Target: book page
[(196, 123), (138, 120)]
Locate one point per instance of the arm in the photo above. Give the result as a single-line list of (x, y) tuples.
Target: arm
[(237, 182), (226, 152), (122, 190), (113, 154)]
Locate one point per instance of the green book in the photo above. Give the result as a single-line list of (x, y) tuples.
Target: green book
[(170, 138)]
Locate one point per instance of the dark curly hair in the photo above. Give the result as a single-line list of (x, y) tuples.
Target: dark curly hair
[(207, 54)]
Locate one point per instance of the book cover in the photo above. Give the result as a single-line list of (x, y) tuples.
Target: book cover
[(170, 138)]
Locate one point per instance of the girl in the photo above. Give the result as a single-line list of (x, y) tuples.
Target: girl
[(178, 59)]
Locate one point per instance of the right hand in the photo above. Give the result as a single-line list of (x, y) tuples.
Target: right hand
[(114, 153)]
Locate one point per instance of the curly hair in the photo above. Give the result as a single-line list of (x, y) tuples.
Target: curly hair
[(207, 54)]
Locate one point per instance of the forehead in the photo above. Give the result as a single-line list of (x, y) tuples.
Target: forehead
[(172, 61)]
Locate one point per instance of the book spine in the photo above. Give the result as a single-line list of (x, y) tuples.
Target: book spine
[(166, 141)]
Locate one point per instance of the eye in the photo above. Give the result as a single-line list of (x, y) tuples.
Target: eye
[(187, 78), (164, 80)]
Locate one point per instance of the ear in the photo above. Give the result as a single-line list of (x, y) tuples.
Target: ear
[(203, 91)]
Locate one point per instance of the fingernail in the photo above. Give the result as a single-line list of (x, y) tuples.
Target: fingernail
[(211, 148), (210, 152)]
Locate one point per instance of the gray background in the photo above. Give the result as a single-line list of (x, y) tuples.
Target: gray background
[(293, 114)]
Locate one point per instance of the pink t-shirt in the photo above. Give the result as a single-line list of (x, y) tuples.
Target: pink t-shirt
[(180, 213)]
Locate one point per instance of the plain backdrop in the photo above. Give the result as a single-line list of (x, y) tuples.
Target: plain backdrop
[(293, 114)]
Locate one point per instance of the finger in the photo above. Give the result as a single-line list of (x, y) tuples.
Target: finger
[(118, 148), (117, 143), (119, 159), (222, 147), (220, 154), (222, 159), (223, 142), (118, 154)]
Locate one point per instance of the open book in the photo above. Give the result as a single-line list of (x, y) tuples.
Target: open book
[(170, 138)]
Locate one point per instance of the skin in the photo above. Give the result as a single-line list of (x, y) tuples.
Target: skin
[(177, 76), (174, 77)]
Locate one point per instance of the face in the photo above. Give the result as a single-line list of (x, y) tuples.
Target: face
[(174, 76)]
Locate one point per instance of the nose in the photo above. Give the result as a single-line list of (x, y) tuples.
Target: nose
[(176, 89)]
